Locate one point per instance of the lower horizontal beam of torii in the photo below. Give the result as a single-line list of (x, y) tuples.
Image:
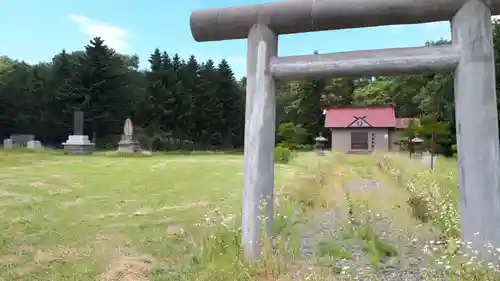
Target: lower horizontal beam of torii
[(367, 63)]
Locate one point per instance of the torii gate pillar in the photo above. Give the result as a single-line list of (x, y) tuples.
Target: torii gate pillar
[(260, 123), (477, 126)]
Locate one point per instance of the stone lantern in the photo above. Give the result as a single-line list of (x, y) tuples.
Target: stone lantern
[(416, 147), (320, 144)]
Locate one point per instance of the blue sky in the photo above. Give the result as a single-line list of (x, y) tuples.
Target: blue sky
[(34, 30)]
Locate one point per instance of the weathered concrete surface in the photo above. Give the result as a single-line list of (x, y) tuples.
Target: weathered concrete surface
[(260, 119), (79, 144), (366, 63), (296, 16), (477, 126)]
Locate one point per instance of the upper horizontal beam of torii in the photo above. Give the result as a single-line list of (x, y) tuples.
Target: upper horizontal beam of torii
[(298, 16)]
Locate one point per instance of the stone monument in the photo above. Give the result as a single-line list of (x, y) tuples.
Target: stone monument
[(127, 144), (7, 143), (78, 143), (34, 144), (21, 140)]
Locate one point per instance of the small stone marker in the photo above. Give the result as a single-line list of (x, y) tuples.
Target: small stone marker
[(7, 143), (34, 144)]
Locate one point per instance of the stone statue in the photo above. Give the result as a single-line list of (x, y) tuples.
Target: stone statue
[(127, 143), (128, 130)]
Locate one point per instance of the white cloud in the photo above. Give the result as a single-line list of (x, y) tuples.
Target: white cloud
[(114, 36)]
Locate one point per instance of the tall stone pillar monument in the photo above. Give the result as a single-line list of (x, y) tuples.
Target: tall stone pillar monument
[(78, 143)]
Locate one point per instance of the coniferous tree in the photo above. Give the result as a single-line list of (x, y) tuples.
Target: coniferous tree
[(102, 84), (203, 107), (186, 90), (231, 103)]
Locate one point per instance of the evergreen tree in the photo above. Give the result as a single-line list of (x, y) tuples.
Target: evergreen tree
[(310, 108), (205, 112), (231, 105), (184, 95), (102, 83), (155, 111), (65, 93)]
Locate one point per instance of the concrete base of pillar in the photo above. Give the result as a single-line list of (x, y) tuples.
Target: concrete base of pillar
[(79, 144), (128, 146)]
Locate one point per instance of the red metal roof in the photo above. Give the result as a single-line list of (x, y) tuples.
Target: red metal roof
[(367, 116)]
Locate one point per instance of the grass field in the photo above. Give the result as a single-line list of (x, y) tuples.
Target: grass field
[(69, 217), (175, 217)]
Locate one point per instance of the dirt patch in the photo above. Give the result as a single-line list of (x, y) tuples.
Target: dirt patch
[(157, 166), (66, 205), (22, 271), (110, 215), (62, 162), (26, 249), (175, 230), (59, 191), (182, 207), (24, 198), (129, 269), (104, 216), (96, 198), (38, 184), (41, 259), (61, 255), (10, 261), (21, 220), (5, 204), (141, 212)]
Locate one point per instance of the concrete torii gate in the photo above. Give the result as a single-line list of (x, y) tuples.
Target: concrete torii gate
[(470, 56)]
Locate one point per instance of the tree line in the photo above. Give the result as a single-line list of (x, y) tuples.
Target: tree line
[(182, 103)]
